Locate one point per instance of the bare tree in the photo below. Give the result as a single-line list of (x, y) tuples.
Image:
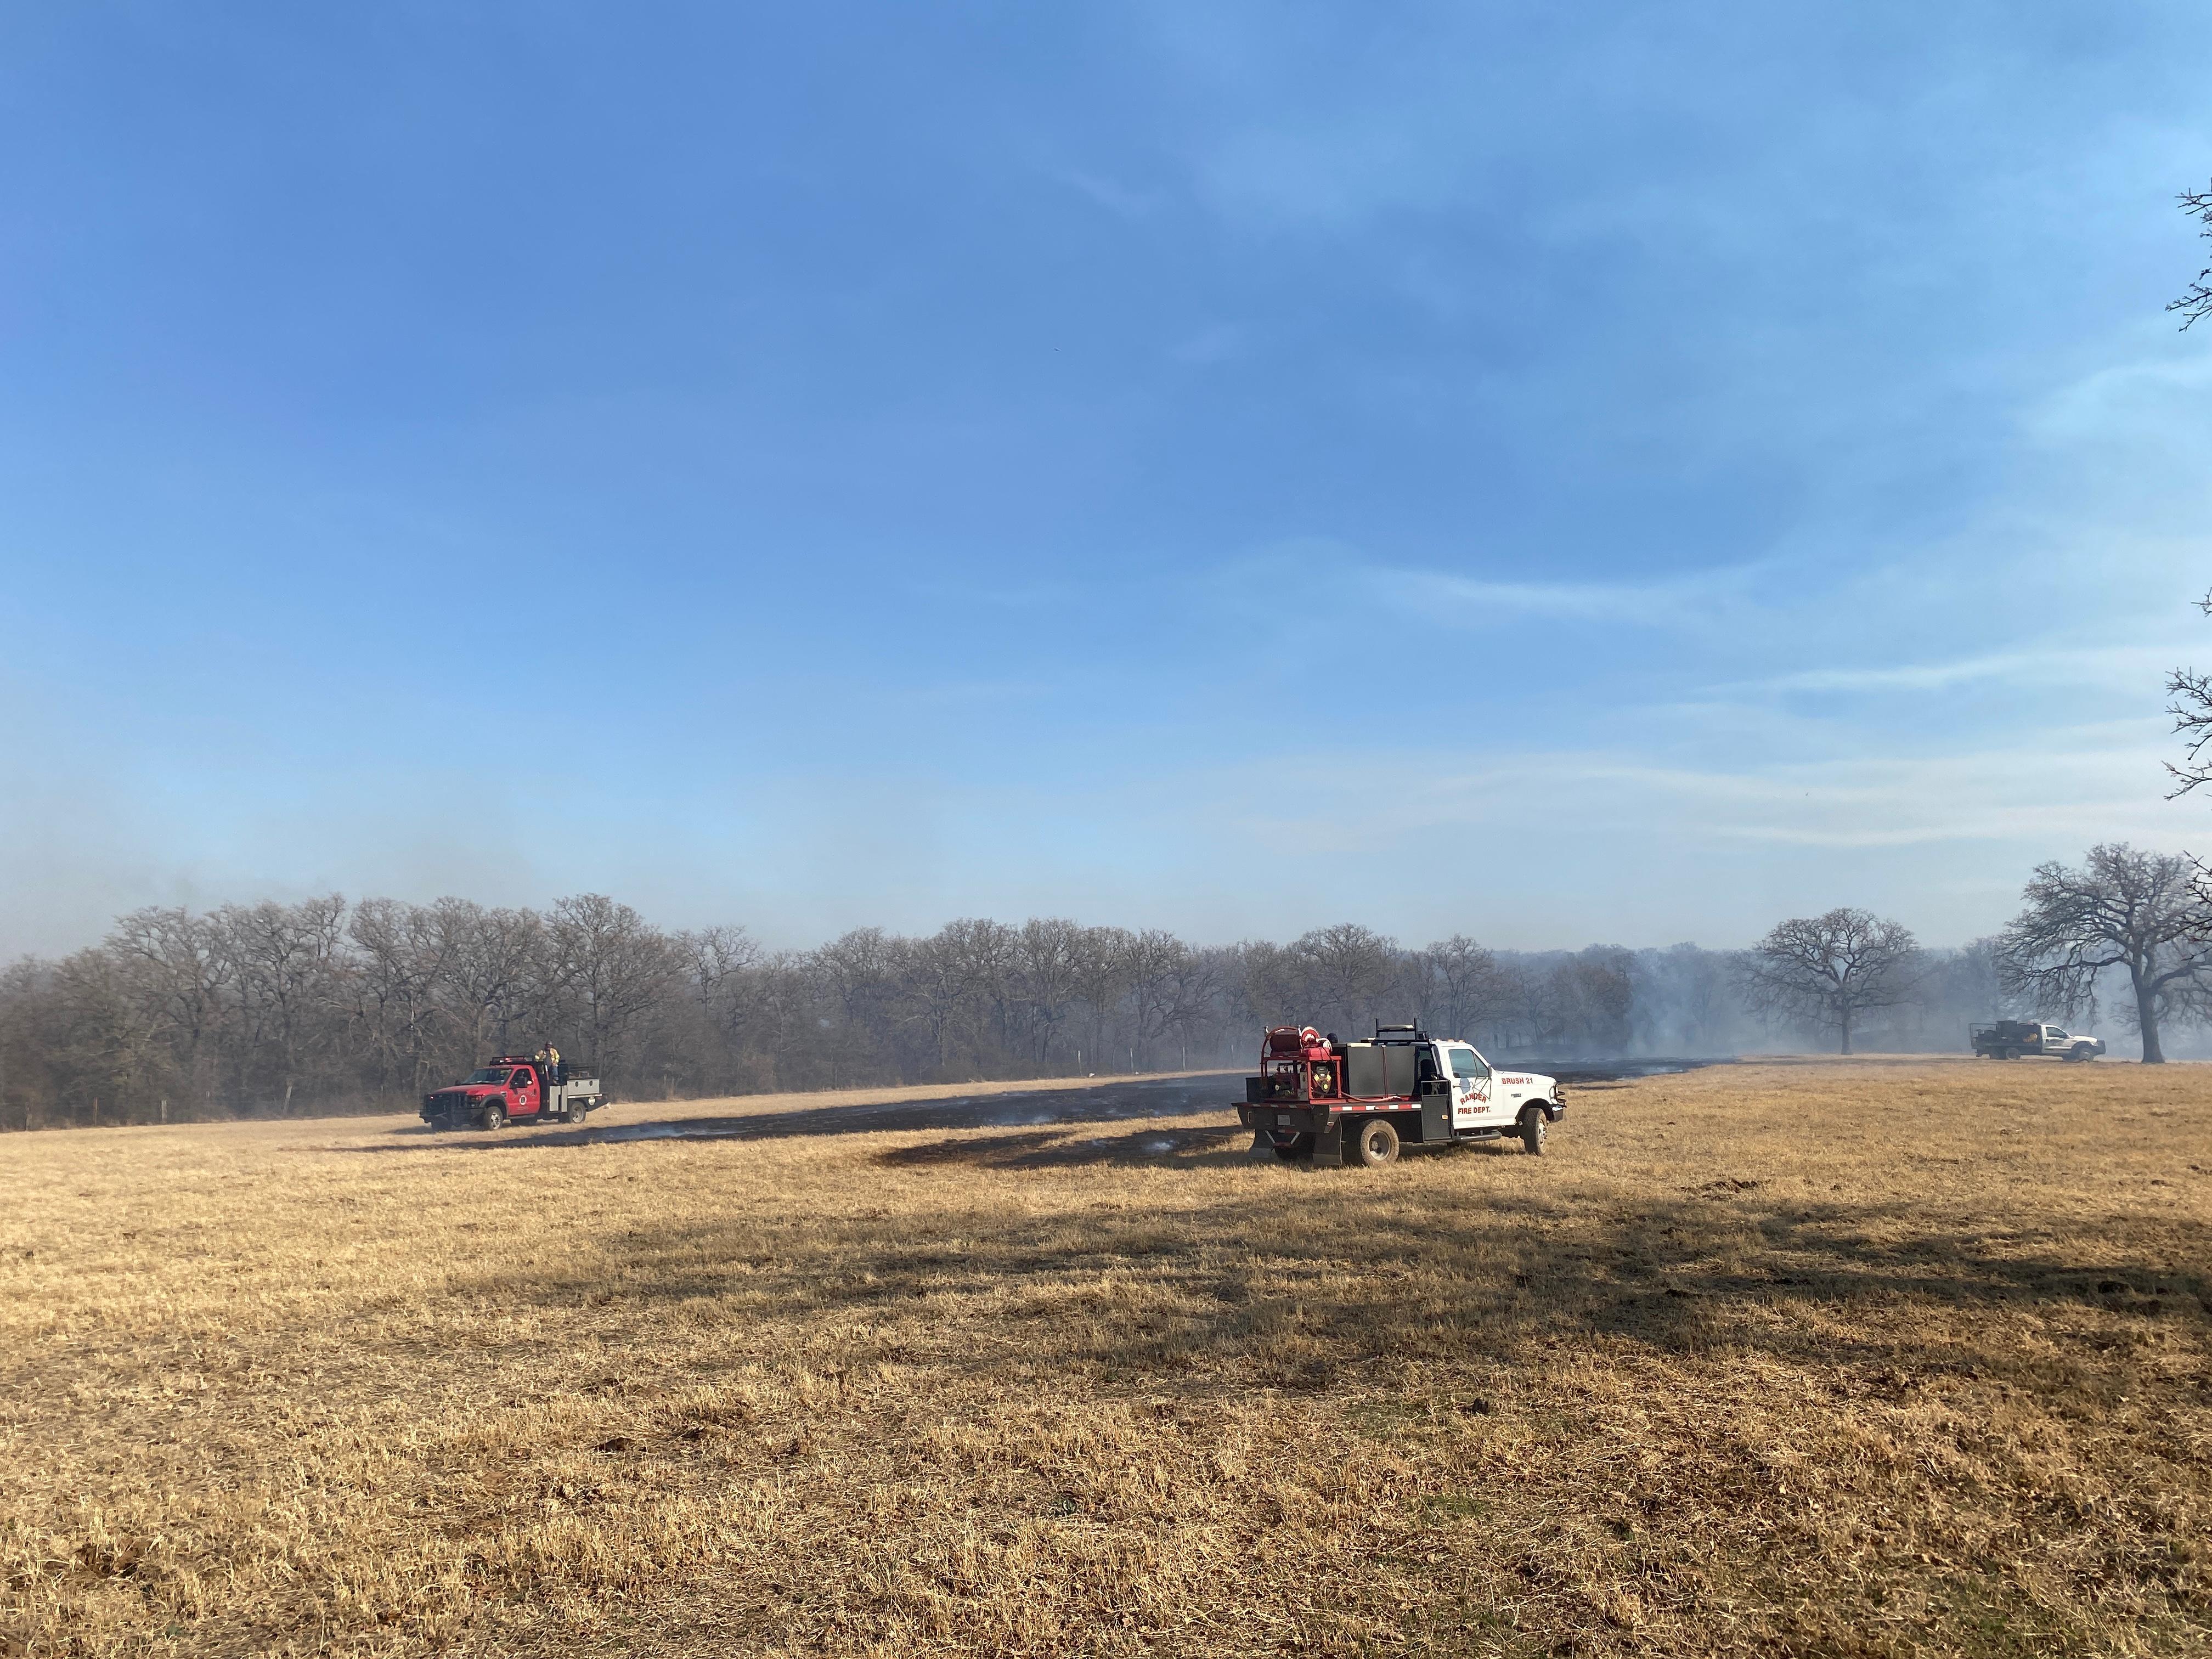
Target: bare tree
[(2122, 909), (1047, 959), (611, 968), (400, 967), (939, 979), (1597, 994), (2197, 301), (2192, 709), (1101, 981), (1683, 1001), (171, 961), (285, 961), (27, 1040), (495, 963), (1345, 970), (989, 957), (865, 973), (1158, 964), (717, 962), (112, 1038), (1830, 970), (1466, 989)]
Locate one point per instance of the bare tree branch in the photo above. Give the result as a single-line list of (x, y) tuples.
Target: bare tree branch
[(2192, 709), (2197, 301)]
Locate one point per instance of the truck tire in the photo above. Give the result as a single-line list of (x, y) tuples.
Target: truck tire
[(494, 1116), (1376, 1143), (1532, 1130), (2082, 1054), (1300, 1146)]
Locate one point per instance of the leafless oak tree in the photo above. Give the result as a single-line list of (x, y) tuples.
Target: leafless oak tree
[(1465, 985), (611, 967), (1830, 970), (1048, 951), (2122, 909)]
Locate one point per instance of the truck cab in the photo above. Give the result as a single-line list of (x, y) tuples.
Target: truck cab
[(1364, 1101), (513, 1088)]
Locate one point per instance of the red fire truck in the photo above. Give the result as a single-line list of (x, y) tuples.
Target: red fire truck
[(1316, 1097), (514, 1087)]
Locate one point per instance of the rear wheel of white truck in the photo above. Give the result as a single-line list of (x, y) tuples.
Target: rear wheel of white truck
[(1379, 1143), (1533, 1130)]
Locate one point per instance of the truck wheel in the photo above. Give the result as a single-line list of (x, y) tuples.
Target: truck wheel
[(493, 1116), (1532, 1131), (1377, 1143), (2082, 1053), (1300, 1146)]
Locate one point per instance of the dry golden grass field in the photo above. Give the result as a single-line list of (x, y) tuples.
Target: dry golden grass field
[(1872, 1358)]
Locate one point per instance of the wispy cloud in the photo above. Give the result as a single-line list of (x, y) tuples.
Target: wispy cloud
[(2049, 791), (1111, 194), (2052, 788), (1700, 598), (2133, 665)]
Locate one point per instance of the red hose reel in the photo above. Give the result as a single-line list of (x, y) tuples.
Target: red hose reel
[(1288, 1051)]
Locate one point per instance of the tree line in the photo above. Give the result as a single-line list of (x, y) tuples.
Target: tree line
[(326, 1006), (275, 1009)]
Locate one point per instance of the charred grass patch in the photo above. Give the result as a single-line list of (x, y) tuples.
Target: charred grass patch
[(1738, 1367)]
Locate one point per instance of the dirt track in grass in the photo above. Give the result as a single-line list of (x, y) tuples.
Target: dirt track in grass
[(1885, 1357)]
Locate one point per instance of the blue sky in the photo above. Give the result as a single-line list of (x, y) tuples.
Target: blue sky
[(1622, 473)]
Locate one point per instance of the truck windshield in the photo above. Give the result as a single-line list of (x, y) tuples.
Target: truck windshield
[(494, 1074)]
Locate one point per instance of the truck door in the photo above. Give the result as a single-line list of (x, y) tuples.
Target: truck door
[(528, 1097), (2054, 1042), (1471, 1086)]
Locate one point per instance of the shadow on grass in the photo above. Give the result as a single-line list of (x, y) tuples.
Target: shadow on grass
[(1294, 1286), (1042, 1149), (1214, 1146), (1135, 1098), (1106, 1104)]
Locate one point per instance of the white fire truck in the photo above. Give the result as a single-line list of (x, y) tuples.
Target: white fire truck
[(1316, 1097)]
